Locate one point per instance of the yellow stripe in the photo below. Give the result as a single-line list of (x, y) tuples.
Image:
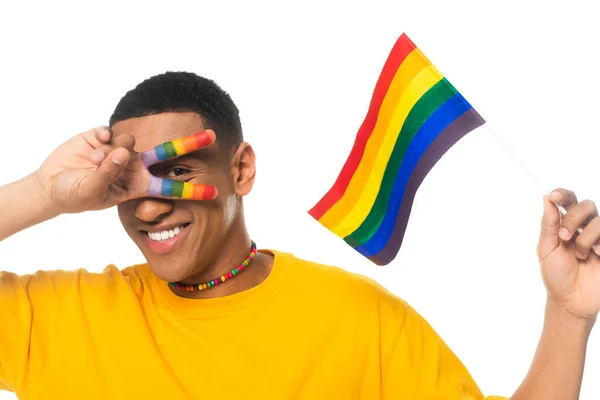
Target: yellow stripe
[(355, 216), (188, 190), (410, 67), (179, 148)]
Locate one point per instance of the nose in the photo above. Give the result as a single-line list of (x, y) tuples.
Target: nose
[(151, 210)]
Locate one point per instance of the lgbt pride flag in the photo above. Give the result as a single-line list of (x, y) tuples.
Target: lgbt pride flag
[(415, 116)]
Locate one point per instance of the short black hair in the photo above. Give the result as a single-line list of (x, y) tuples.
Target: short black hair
[(184, 92)]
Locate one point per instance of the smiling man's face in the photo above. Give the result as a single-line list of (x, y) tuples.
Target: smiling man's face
[(194, 229)]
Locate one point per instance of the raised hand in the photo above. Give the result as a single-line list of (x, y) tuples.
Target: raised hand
[(94, 171), (80, 175), (569, 260)]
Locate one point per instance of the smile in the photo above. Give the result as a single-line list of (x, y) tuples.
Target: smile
[(166, 235), (164, 241)]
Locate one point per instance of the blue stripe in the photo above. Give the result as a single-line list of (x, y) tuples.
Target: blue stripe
[(161, 152), (167, 187), (435, 124)]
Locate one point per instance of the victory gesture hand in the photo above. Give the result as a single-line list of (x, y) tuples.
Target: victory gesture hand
[(94, 171), (81, 174), (569, 263)]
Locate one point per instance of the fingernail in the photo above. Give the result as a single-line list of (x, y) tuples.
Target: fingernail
[(597, 249), (104, 134), (118, 160), (555, 195), (97, 157), (564, 233), (579, 255)]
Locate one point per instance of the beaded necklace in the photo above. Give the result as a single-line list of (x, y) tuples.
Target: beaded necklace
[(222, 279)]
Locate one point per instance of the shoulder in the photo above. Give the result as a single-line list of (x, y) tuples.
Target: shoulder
[(341, 287), (45, 284), (307, 270)]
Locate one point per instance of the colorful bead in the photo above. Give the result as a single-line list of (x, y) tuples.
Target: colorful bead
[(223, 278)]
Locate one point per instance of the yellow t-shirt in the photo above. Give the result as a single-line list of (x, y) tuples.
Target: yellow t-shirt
[(309, 331)]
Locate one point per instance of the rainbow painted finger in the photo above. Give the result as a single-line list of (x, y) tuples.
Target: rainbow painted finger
[(176, 148), (184, 190)]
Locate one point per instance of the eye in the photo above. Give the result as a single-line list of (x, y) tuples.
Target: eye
[(177, 172)]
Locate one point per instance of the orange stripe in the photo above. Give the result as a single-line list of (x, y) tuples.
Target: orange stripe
[(189, 143), (199, 192)]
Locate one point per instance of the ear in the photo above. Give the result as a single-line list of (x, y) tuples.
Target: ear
[(243, 169)]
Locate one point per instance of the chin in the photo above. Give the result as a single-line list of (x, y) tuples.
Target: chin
[(168, 272)]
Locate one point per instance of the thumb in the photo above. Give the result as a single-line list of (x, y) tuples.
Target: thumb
[(109, 170), (549, 239)]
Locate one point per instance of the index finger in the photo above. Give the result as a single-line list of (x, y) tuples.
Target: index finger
[(178, 147), (175, 189), (563, 197), (162, 187), (98, 136), (140, 182)]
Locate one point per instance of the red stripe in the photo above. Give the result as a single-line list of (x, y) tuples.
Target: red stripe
[(204, 138), (210, 192), (403, 47)]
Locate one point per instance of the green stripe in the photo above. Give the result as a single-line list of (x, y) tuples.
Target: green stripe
[(171, 152), (437, 95), (177, 190)]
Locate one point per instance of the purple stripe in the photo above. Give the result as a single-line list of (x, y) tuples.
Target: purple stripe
[(149, 157), (446, 139), (155, 186)]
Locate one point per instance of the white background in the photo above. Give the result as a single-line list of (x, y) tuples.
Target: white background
[(303, 76)]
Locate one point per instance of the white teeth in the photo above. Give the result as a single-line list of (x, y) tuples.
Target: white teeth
[(164, 235)]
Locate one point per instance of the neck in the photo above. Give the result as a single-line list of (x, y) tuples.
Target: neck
[(236, 248)]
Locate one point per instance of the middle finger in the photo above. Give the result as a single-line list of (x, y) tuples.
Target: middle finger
[(578, 215), (125, 141), (588, 237)]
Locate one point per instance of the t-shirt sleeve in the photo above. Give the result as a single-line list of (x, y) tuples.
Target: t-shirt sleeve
[(422, 367), (16, 316)]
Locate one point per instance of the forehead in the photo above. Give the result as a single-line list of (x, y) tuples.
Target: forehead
[(152, 130)]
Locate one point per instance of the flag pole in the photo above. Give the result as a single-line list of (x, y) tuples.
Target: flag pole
[(511, 153)]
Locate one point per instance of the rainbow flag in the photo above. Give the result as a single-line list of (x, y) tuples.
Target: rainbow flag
[(415, 116)]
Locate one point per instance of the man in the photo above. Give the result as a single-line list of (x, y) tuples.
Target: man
[(208, 317)]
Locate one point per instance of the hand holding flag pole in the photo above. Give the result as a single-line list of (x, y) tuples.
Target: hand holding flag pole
[(531, 176)]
